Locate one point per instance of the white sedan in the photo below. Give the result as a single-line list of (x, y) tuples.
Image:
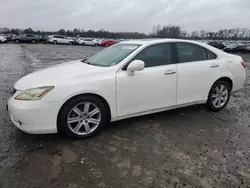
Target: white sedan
[(129, 79), (3, 39), (88, 42)]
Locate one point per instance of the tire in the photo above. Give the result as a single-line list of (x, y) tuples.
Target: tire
[(17, 41), (70, 43), (33, 41), (96, 45), (54, 42), (76, 131), (107, 45), (83, 44), (216, 99)]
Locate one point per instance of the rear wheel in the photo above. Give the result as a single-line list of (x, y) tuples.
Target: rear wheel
[(70, 43), (17, 41), (107, 45), (219, 96), (83, 44), (33, 41), (82, 117), (54, 42)]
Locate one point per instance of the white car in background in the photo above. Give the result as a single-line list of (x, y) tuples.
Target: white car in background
[(88, 42), (3, 39), (128, 79), (60, 39)]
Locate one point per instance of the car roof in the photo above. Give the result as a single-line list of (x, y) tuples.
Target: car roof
[(146, 42), (154, 41)]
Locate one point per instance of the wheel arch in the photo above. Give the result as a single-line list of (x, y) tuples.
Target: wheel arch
[(227, 79), (107, 106)]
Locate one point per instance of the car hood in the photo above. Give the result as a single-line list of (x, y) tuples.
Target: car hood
[(59, 74)]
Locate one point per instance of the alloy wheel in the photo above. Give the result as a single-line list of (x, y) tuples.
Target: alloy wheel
[(220, 96), (84, 118)]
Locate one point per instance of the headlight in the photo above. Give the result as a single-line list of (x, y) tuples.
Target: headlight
[(33, 94)]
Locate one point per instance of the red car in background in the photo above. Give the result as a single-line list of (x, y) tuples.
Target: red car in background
[(108, 43)]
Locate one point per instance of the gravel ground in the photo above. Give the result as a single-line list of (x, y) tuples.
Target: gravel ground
[(188, 147)]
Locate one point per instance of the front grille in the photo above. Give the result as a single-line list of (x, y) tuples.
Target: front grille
[(13, 92)]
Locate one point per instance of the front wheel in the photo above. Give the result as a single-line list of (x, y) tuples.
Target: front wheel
[(33, 41), (219, 96), (17, 41), (82, 117), (70, 43)]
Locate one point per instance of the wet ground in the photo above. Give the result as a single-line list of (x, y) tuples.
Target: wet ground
[(188, 147)]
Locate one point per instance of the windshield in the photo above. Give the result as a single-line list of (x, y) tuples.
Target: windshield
[(112, 55)]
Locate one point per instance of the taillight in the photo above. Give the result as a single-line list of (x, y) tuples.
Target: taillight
[(243, 64)]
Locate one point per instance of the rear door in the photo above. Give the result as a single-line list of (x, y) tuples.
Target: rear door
[(198, 68), (27, 37), (60, 39), (65, 40), (88, 41)]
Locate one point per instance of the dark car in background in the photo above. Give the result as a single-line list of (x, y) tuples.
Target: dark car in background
[(28, 38), (217, 45), (241, 49)]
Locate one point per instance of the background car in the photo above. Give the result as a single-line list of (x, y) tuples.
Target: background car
[(248, 48), (230, 48), (27, 38), (88, 42), (108, 43), (60, 39), (3, 39), (241, 49), (7, 36), (217, 45)]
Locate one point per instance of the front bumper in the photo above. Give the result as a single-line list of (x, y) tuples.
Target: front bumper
[(34, 117)]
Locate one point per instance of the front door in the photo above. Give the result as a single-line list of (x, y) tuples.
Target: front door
[(152, 88)]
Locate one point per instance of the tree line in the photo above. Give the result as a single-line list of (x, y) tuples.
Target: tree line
[(222, 34), (158, 31)]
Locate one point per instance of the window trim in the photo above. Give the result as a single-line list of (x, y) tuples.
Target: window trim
[(174, 60), (177, 52)]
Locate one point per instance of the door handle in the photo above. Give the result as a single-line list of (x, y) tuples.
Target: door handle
[(214, 65), (168, 72)]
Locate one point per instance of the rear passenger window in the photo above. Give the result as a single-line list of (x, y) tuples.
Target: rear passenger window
[(188, 52), (156, 55), (211, 55)]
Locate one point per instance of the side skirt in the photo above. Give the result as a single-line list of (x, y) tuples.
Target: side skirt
[(157, 110)]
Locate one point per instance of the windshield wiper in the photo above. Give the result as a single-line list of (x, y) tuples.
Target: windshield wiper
[(85, 61), (98, 65)]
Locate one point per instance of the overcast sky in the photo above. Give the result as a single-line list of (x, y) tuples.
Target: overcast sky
[(124, 15)]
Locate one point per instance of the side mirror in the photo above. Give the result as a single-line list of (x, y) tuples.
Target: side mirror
[(136, 65)]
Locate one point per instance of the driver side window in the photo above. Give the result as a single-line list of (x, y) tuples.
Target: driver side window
[(156, 55)]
